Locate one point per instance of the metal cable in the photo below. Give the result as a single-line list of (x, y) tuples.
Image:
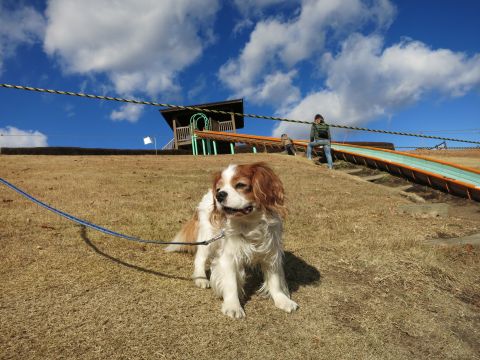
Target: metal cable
[(110, 98)]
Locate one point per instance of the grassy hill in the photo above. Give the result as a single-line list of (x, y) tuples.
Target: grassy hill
[(367, 282)]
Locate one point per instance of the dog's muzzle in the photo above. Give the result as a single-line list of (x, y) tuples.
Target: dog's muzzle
[(221, 196), (232, 211)]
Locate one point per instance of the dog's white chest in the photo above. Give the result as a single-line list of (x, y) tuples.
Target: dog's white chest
[(251, 244)]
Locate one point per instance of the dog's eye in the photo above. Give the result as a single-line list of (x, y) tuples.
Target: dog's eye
[(240, 186)]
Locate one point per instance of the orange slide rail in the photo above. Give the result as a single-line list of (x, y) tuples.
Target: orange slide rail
[(452, 178)]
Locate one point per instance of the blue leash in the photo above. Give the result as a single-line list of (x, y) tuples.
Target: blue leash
[(102, 229)]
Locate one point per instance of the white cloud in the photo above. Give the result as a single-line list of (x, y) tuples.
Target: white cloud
[(141, 45), (278, 90), (242, 25), (128, 112), (366, 80), (21, 26), (256, 7), (13, 137), (276, 45)]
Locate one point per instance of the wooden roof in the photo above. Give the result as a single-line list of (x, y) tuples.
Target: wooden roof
[(183, 116)]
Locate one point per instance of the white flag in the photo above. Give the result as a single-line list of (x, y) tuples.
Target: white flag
[(147, 140)]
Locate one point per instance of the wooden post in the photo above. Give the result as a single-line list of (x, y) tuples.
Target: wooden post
[(215, 126), (429, 181), (234, 130), (233, 123), (175, 141), (468, 194)]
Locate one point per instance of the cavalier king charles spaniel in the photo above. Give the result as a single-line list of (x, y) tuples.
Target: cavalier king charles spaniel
[(246, 201)]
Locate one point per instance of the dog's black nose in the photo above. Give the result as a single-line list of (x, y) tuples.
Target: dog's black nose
[(221, 195)]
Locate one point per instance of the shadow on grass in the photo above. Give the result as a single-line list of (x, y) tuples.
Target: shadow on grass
[(91, 245), (297, 272)]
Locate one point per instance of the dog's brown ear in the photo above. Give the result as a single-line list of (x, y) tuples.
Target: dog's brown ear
[(268, 188), (216, 178)]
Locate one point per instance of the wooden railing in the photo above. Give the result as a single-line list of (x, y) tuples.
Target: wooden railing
[(183, 134), (225, 126), (184, 137)]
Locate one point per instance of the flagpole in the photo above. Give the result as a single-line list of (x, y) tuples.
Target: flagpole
[(148, 140)]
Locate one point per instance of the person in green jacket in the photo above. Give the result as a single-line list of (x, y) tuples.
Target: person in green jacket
[(320, 135)]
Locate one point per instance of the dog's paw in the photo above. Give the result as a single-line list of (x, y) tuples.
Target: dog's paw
[(286, 304), (235, 311), (202, 283)]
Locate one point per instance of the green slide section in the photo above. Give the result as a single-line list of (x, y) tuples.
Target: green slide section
[(421, 164)]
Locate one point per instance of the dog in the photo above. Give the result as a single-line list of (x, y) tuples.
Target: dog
[(247, 202)]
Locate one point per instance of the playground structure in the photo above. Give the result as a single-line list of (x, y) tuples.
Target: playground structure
[(209, 146), (451, 178), (184, 122)]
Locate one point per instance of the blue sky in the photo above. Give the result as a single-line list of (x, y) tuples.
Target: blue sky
[(407, 65)]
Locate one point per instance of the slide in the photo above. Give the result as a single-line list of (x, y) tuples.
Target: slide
[(452, 178)]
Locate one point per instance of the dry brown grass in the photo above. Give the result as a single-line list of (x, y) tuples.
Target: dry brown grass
[(368, 286)]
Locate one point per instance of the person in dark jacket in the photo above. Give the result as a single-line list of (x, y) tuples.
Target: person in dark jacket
[(320, 135), (288, 145)]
